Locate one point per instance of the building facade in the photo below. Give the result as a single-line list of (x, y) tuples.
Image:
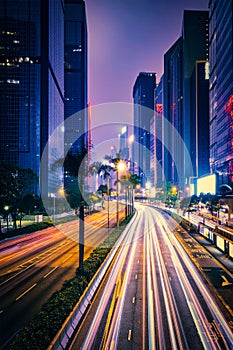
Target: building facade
[(31, 85), (221, 90)]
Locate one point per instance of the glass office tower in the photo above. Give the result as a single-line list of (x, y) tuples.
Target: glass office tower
[(221, 90), (31, 83), (75, 75)]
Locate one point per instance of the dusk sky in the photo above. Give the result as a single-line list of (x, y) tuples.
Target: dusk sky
[(126, 37)]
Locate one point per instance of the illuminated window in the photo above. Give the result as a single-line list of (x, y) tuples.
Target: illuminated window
[(12, 81)]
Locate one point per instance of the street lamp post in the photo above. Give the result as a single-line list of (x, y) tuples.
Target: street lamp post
[(108, 189), (121, 166), (81, 223), (117, 197), (6, 208)]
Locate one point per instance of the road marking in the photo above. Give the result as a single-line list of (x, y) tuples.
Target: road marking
[(66, 258), (47, 274), (136, 277), (133, 300), (226, 282), (138, 261), (26, 291), (129, 334)]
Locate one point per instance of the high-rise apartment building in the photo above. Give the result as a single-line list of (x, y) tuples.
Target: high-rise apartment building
[(31, 84), (143, 97), (221, 89)]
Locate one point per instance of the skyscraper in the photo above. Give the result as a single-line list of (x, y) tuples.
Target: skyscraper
[(159, 136), (31, 84), (221, 90), (186, 106), (124, 143), (200, 119), (143, 96), (173, 112), (75, 76), (195, 36)]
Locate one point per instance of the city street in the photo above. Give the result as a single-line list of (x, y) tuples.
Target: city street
[(34, 266), (154, 296)]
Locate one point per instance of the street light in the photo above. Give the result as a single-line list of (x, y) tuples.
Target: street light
[(6, 208), (108, 190), (121, 166)]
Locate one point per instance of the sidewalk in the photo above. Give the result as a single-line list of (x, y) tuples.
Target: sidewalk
[(218, 254), (223, 258)]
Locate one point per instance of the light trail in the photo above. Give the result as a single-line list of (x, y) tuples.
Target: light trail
[(201, 322), (118, 268)]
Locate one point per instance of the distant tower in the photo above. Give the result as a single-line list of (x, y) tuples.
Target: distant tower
[(143, 96), (124, 146)]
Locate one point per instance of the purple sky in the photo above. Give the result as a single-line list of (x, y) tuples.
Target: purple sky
[(126, 37)]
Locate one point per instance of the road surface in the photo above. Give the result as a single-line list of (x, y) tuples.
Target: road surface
[(154, 297)]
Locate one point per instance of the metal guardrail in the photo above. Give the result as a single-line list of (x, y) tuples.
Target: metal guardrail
[(62, 338)]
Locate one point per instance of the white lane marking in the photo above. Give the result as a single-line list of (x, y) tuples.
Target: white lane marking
[(47, 274), (26, 291)]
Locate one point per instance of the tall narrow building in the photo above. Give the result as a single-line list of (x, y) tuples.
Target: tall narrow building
[(76, 102), (159, 136), (143, 97), (221, 90), (195, 35), (173, 113), (31, 85)]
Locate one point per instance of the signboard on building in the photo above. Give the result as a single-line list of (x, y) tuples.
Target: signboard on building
[(207, 184)]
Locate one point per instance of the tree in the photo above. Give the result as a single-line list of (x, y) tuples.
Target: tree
[(75, 170), (15, 183)]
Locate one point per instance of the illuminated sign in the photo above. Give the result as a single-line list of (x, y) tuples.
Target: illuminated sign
[(206, 184), (159, 108), (207, 70)]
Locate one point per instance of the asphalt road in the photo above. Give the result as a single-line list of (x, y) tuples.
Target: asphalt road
[(156, 294), (33, 266)]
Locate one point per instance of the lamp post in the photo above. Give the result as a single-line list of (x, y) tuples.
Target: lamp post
[(108, 189), (6, 208), (121, 166)]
